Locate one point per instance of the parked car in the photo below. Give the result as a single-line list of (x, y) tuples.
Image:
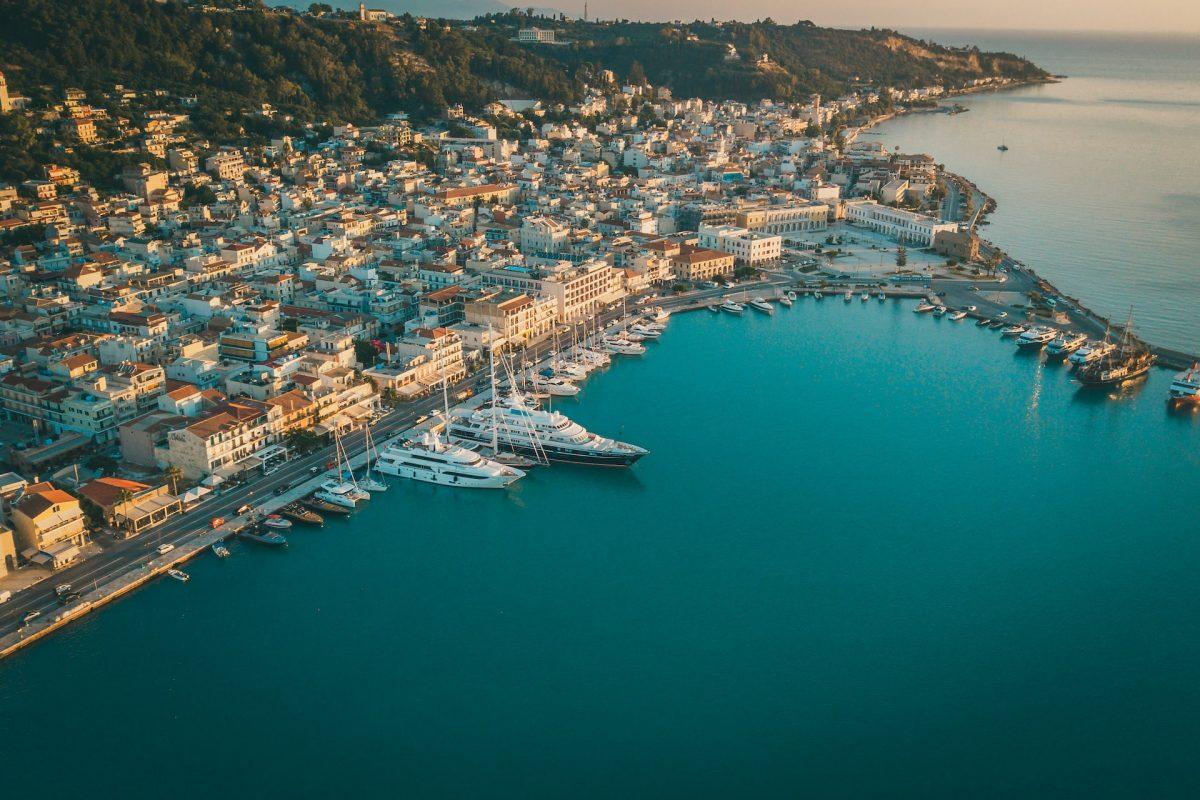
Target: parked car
[(216, 522), (163, 549), (245, 508), (5, 596)]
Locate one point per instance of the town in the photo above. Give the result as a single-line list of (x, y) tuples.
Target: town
[(224, 311)]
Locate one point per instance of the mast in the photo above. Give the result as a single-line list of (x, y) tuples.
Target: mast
[(492, 377)]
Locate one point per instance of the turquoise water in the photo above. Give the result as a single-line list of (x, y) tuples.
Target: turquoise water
[(1100, 191), (870, 554)]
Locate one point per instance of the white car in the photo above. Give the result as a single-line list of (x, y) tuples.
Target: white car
[(163, 549)]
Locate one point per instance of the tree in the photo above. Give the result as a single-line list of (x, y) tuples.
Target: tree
[(901, 256), (365, 353), (124, 497), (173, 474), (637, 74)]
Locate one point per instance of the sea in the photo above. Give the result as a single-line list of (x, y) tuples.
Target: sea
[(870, 554), (1099, 190)]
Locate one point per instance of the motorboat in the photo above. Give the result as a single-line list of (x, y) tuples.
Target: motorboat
[(982, 322), (645, 332), (958, 315), (1065, 343), (848, 296), (553, 385), (1185, 388), (433, 460), (1013, 330), (515, 425), (713, 307), (759, 304), (866, 296), (733, 307), (179, 575), (785, 301), (276, 521), (818, 295), (263, 536), (661, 315), (298, 513), (791, 296), (1090, 352), (624, 347), (220, 550), (1036, 337), (939, 311)]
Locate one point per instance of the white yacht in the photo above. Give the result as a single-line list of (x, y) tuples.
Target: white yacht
[(865, 296), (733, 307), (1013, 330), (623, 346), (644, 331), (435, 461), (340, 493), (595, 358), (1186, 386), (785, 300), (1065, 343), (554, 385), (571, 370), (661, 315), (1036, 337), (924, 308), (543, 435), (958, 315), (759, 304), (1090, 352), (939, 311), (791, 296)]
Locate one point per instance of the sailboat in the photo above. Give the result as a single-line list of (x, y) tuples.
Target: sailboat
[(367, 482), (341, 490)]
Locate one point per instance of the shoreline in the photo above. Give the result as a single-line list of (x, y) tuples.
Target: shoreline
[(985, 205)]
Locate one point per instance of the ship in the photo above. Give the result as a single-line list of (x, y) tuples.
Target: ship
[(1129, 360), (1186, 386)]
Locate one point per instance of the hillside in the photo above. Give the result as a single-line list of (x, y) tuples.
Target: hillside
[(235, 56)]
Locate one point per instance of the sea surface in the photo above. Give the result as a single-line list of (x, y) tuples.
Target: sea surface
[(870, 554), (1100, 189)]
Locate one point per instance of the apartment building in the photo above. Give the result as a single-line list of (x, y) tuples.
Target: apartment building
[(578, 291), (514, 316), (746, 247), (49, 526), (217, 442)]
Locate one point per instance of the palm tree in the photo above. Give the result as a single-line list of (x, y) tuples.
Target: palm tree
[(123, 497), (173, 474)]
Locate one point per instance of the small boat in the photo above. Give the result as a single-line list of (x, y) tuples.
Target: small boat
[(848, 296), (939, 311), (733, 307), (759, 304), (958, 315), (661, 315), (298, 513), (220, 550), (982, 322), (624, 347), (785, 301), (996, 324), (882, 297), (866, 296), (1185, 388), (267, 537), (791, 296), (1013, 330), (924, 307), (818, 295), (633, 336), (324, 506), (179, 575), (277, 522), (645, 331), (713, 307)]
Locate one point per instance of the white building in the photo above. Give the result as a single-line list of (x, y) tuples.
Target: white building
[(905, 226), (535, 35), (746, 247)]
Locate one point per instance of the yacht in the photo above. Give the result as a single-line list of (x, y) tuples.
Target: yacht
[(644, 331), (1013, 330), (435, 461), (661, 315), (982, 322), (958, 315), (733, 307), (594, 358), (785, 301), (924, 307), (713, 307), (553, 385), (623, 346), (338, 492), (1036, 337), (1186, 386), (1091, 351), (762, 305), (791, 296), (1064, 344), (571, 370), (544, 435)]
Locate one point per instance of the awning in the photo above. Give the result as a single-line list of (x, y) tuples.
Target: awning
[(213, 480), (195, 493), (411, 390)]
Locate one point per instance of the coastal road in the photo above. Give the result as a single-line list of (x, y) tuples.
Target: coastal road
[(119, 557)]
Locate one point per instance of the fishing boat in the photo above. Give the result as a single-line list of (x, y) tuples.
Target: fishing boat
[(220, 550), (316, 504), (261, 536), (759, 304), (1185, 388), (298, 513), (179, 575), (277, 521), (733, 307)]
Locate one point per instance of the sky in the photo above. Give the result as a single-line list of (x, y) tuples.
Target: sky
[(1177, 16)]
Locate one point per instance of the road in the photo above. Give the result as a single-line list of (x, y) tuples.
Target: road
[(119, 557)]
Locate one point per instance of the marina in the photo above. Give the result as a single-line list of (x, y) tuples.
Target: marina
[(425, 583)]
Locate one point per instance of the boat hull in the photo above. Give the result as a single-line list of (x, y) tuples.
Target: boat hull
[(555, 454), (444, 479)]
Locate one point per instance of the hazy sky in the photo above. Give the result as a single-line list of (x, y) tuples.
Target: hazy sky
[(1109, 15)]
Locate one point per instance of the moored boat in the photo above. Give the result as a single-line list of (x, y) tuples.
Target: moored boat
[(1128, 361), (1185, 388), (1064, 344), (324, 506), (262, 536), (434, 461), (1013, 330), (277, 521), (179, 575), (1036, 338), (924, 307), (785, 301), (733, 307), (759, 304), (220, 550), (298, 513), (958, 315)]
